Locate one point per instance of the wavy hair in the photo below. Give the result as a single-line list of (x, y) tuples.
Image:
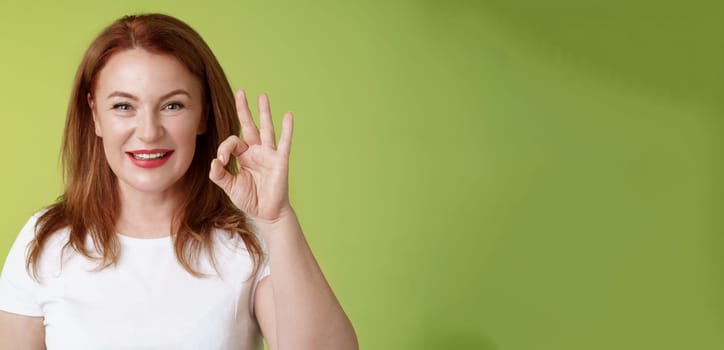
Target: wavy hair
[(90, 202)]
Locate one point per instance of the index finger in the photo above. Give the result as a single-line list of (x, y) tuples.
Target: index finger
[(248, 128)]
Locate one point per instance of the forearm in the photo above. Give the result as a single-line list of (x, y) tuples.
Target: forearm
[(308, 315)]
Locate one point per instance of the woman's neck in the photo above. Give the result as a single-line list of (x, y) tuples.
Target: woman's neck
[(146, 215)]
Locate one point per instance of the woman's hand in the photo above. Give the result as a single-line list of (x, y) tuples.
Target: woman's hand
[(260, 189)]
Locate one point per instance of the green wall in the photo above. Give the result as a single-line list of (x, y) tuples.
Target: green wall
[(470, 174)]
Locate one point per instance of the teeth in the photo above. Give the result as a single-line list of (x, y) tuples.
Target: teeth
[(148, 156)]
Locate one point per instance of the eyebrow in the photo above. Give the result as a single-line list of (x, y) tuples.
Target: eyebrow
[(132, 97)]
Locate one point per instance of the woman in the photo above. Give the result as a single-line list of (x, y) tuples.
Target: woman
[(158, 241)]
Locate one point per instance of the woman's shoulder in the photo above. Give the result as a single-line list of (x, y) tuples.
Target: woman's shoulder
[(30, 228), (19, 250), (34, 224)]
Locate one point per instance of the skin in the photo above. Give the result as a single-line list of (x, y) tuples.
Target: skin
[(18, 332), (132, 109), (147, 101), (295, 305)]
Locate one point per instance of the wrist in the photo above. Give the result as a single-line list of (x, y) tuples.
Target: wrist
[(286, 214)]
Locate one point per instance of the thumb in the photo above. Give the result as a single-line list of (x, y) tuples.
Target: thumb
[(220, 176)]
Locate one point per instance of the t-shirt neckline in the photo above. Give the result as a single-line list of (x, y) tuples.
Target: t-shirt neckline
[(143, 241)]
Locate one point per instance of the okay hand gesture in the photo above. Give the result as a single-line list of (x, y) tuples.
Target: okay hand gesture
[(260, 189)]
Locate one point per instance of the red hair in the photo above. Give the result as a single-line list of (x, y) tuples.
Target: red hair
[(90, 202)]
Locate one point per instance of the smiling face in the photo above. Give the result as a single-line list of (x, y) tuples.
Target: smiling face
[(148, 110)]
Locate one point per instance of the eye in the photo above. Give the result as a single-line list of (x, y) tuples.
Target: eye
[(122, 106), (173, 106)]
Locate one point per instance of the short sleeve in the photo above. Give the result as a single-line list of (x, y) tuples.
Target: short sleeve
[(264, 271), (18, 291)]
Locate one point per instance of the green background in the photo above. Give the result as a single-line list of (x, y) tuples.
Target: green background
[(470, 174)]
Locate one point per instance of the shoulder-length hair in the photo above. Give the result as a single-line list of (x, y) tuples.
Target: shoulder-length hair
[(90, 202)]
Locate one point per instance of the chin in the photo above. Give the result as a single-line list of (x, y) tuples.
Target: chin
[(150, 185)]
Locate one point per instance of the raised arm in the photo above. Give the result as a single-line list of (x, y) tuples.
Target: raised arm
[(295, 305)]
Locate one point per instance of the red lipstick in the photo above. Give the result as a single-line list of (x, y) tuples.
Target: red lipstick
[(149, 158)]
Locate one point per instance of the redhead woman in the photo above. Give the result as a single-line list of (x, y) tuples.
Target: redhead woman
[(172, 232)]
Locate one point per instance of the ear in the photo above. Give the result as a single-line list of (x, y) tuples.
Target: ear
[(92, 106)]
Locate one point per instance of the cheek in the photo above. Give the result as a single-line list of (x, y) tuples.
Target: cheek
[(186, 130), (114, 136), (113, 131), (184, 136)]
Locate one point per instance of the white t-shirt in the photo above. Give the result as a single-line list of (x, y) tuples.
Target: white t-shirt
[(146, 301)]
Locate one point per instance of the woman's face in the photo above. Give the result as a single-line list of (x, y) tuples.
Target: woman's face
[(148, 110)]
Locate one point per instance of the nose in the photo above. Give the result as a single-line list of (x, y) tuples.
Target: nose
[(149, 127)]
